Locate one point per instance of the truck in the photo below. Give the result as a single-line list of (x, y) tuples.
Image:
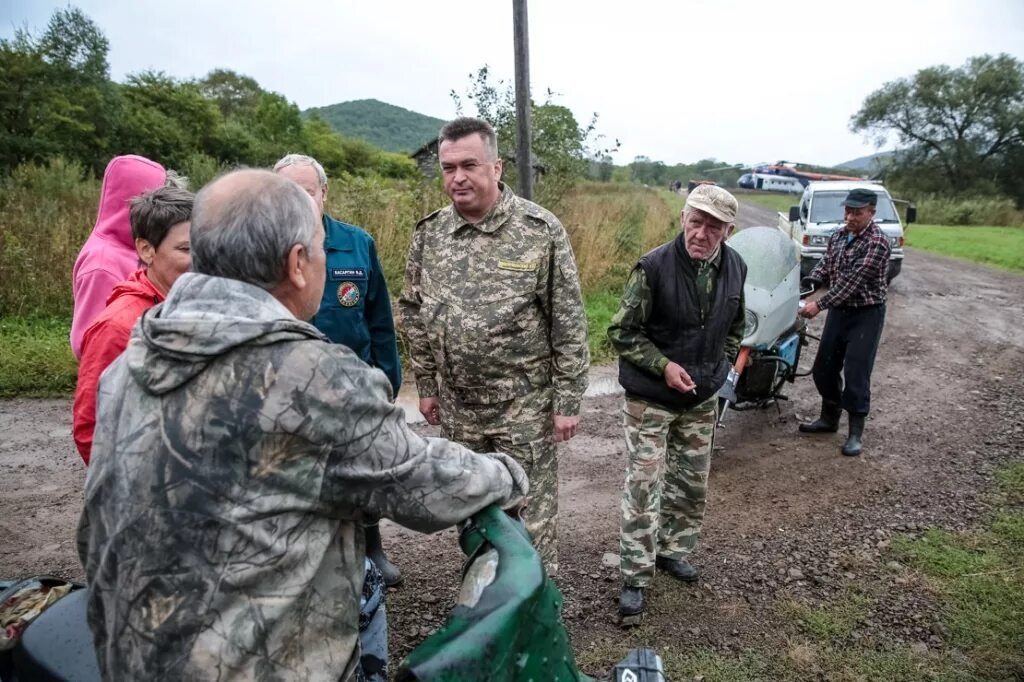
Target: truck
[(820, 213)]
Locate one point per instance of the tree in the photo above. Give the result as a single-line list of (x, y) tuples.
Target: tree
[(959, 126), (166, 120), (233, 93), (561, 146), (55, 93)]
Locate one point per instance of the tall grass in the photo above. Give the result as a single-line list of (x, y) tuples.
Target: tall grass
[(47, 212), (936, 210), (611, 226)]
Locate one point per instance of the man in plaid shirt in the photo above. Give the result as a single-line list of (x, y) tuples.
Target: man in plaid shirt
[(853, 269)]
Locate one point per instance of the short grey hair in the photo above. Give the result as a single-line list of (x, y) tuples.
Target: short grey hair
[(466, 126), (303, 160), (247, 236)]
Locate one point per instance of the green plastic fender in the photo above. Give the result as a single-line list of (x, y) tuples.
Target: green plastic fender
[(513, 632)]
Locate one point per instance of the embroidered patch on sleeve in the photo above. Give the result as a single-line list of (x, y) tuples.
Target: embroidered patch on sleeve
[(348, 294), (518, 265)]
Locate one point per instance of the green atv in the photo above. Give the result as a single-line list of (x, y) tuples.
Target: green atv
[(507, 623)]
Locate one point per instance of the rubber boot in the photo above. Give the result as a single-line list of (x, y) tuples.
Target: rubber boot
[(852, 447), (631, 600), (375, 552), (828, 422)]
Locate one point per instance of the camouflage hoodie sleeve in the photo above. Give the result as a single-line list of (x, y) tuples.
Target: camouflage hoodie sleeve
[(377, 466), (409, 302), (564, 307)]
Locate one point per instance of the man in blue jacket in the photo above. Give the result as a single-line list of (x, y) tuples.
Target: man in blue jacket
[(355, 309)]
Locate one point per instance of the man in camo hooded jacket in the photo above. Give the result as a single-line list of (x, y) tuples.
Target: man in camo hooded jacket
[(236, 451)]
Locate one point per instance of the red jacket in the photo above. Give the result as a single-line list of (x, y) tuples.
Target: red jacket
[(103, 341)]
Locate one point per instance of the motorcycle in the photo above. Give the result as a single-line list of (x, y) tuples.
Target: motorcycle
[(506, 625), (774, 335)]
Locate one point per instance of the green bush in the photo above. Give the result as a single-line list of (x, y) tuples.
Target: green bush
[(1000, 211)]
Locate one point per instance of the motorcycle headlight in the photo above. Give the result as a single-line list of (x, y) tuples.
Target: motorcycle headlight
[(751, 323)]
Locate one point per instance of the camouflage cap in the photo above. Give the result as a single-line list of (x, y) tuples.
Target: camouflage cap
[(715, 201)]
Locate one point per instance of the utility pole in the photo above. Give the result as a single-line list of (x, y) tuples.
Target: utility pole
[(522, 47)]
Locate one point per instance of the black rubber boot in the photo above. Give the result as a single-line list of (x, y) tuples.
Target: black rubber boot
[(853, 446), (631, 600), (375, 551), (677, 568), (828, 422)]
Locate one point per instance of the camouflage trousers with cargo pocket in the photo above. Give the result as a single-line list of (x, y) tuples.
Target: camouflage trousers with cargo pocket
[(665, 494), (523, 428)]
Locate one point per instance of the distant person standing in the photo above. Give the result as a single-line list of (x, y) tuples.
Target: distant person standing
[(678, 327), (494, 316), (355, 309), (108, 255), (160, 222), (854, 270)]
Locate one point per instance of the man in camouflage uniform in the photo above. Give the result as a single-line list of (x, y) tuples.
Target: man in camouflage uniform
[(237, 452), (679, 324), (492, 310)]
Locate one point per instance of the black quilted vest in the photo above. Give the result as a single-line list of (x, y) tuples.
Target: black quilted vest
[(676, 328)]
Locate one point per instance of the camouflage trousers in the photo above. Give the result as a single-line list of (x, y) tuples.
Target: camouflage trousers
[(665, 494), (523, 428)]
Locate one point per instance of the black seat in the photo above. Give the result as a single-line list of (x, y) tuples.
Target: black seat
[(58, 646)]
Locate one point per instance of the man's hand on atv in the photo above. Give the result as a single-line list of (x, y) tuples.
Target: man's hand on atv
[(677, 378)]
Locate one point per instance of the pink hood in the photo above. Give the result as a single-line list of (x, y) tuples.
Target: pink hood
[(108, 256)]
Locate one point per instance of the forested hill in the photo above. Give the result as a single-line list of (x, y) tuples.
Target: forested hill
[(383, 125)]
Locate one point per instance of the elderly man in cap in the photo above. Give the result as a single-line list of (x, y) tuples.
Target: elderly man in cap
[(677, 329), (853, 269)]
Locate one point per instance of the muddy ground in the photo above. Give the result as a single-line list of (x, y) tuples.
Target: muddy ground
[(788, 519)]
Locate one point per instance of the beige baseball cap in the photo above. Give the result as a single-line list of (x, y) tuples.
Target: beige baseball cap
[(714, 200)]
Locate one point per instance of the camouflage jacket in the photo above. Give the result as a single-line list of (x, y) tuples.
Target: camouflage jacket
[(236, 450), (494, 308)]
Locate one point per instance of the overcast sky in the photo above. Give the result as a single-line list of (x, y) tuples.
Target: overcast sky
[(678, 81)]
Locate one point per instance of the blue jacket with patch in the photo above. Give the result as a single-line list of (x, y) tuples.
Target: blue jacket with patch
[(356, 309)]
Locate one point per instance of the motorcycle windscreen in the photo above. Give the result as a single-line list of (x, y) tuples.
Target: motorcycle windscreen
[(770, 255), (772, 289)]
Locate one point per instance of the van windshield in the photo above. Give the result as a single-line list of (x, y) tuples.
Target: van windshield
[(827, 207)]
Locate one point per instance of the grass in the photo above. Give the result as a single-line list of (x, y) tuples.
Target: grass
[(833, 622), (49, 211), (35, 357), (600, 307), (1002, 247), (980, 577)]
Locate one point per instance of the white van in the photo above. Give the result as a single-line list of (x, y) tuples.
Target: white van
[(820, 213)]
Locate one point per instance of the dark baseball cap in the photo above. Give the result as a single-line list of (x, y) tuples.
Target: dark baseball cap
[(859, 198)]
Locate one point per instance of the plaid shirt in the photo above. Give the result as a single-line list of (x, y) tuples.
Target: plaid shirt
[(854, 269)]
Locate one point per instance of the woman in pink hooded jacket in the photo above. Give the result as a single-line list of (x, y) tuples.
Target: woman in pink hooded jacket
[(109, 256)]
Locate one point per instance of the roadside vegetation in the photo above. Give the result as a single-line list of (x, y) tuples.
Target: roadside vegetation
[(1002, 247), (977, 578)]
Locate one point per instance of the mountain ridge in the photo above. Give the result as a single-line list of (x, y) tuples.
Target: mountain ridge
[(387, 126)]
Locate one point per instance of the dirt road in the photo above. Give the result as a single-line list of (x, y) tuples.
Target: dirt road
[(788, 518)]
